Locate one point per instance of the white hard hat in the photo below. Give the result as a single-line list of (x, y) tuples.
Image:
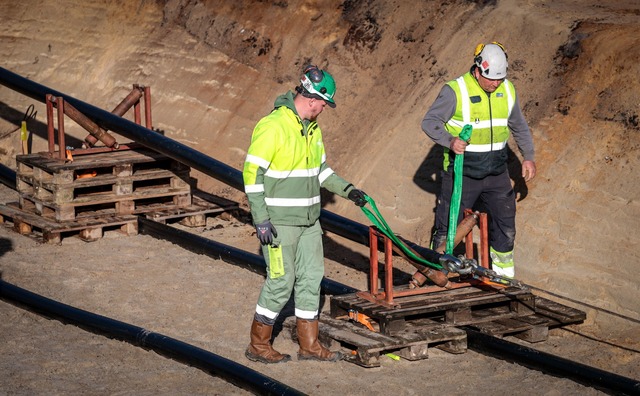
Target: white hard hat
[(491, 60)]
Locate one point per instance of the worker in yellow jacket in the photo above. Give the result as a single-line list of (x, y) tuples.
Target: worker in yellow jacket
[(284, 170)]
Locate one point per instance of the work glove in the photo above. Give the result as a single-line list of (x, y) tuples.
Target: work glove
[(357, 196), (266, 232)]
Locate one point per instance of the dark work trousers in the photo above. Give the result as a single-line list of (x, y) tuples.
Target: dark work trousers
[(494, 195)]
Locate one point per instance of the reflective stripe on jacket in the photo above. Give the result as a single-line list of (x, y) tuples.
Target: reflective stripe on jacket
[(486, 153), (285, 168)]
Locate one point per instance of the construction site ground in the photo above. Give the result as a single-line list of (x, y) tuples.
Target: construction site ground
[(209, 303), (214, 69)]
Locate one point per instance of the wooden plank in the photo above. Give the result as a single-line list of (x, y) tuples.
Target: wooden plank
[(528, 328), (111, 158), (368, 346), (111, 197), (445, 300), (87, 229), (561, 314), (438, 301), (456, 307), (194, 214), (501, 327), (29, 218), (105, 179)]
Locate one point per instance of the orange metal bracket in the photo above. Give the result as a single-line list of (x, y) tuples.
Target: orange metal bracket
[(388, 293)]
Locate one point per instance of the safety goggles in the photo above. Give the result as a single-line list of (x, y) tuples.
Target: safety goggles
[(312, 75)]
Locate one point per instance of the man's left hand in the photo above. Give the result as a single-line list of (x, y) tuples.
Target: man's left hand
[(458, 145), (528, 170), (358, 196)]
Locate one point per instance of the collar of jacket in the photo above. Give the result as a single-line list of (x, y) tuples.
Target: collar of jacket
[(286, 100)]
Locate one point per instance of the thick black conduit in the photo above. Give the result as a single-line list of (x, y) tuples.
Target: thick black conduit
[(7, 176), (551, 364), (186, 155), (216, 250), (229, 370)]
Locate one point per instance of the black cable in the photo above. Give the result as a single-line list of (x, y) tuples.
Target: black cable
[(29, 114), (585, 304), (597, 309), (600, 340)]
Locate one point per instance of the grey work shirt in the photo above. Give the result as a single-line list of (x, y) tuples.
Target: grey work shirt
[(443, 109)]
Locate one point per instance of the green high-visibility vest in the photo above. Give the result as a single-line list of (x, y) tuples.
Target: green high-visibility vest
[(486, 153)]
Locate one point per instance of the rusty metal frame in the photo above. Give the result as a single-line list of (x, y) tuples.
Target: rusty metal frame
[(386, 296), (59, 102), (483, 225), (96, 133)]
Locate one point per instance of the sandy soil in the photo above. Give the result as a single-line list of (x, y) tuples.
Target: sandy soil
[(215, 69), (204, 302)]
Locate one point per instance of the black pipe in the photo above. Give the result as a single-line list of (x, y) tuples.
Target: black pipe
[(551, 364), (8, 177), (217, 250), (237, 374), (186, 155), (360, 233), (129, 129)]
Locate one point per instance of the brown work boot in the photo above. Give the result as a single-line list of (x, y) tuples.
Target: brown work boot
[(310, 347), (260, 349)]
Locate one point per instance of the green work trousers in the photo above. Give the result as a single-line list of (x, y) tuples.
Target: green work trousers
[(303, 259)]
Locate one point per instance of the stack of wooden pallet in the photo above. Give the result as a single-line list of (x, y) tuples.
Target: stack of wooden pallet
[(94, 192)]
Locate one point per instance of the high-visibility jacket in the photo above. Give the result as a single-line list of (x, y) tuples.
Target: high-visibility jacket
[(285, 168), (486, 153)]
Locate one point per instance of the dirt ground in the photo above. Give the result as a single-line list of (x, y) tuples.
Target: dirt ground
[(207, 303), (215, 68)]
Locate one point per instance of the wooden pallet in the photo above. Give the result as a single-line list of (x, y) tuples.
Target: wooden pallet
[(115, 183), (454, 307), (50, 231), (499, 312), (534, 328), (194, 215), (365, 348), (91, 226)]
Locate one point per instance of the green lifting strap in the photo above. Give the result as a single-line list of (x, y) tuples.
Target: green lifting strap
[(456, 195), (382, 225)]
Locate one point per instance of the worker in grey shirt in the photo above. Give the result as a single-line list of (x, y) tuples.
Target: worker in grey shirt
[(486, 100)]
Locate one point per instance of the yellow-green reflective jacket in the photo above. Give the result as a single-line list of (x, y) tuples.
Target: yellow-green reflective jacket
[(286, 167), (486, 153)]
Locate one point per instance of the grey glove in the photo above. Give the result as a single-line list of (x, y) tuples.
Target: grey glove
[(266, 232), (358, 196)]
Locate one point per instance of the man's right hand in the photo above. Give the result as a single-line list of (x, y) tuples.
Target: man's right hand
[(266, 232), (458, 145)]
